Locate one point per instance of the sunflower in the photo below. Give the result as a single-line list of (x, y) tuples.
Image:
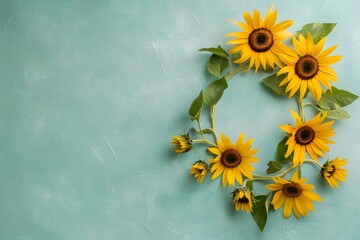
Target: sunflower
[(261, 40), (232, 160), (332, 171), (182, 143), (307, 68), (310, 137), (243, 199), (295, 195), (199, 169)]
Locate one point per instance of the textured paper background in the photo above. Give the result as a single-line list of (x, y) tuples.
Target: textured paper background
[(91, 92)]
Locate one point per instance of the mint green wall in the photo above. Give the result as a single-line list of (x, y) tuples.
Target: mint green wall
[(91, 92)]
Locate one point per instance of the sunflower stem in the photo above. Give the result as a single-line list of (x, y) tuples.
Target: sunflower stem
[(212, 118), (202, 133), (244, 183), (264, 178), (301, 110), (200, 130), (313, 162), (204, 141), (309, 104), (231, 74)]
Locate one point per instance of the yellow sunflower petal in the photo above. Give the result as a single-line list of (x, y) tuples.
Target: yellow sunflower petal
[(287, 207), (326, 52), (319, 46), (283, 25), (249, 19), (280, 202), (287, 128), (299, 48), (214, 151), (224, 177)]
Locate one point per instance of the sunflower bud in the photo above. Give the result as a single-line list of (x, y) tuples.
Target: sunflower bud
[(243, 199), (199, 169), (182, 143), (333, 172)]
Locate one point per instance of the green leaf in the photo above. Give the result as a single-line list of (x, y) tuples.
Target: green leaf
[(273, 82), (236, 56), (317, 30), (281, 150), (336, 98), (260, 211), (219, 51), (217, 65), (196, 107), (219, 60), (249, 184), (207, 130), (273, 167), (214, 92), (337, 114)]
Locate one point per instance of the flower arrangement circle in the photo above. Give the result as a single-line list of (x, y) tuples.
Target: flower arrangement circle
[(296, 70)]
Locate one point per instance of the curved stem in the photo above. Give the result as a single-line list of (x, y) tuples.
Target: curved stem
[(231, 65), (309, 104), (313, 162), (301, 110), (212, 118), (204, 141), (263, 178), (201, 132), (231, 74), (212, 131), (245, 181)]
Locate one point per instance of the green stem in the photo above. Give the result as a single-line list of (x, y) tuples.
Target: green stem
[(200, 130), (212, 118), (231, 74), (263, 178), (313, 162), (301, 110), (204, 141), (231, 65), (244, 183), (309, 104)]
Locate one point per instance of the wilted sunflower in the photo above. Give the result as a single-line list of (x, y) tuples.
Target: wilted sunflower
[(308, 67), (261, 40), (310, 137), (199, 169), (182, 143), (295, 195), (333, 172), (243, 199), (232, 160)]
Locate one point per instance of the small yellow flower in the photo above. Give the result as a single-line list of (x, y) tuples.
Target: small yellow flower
[(182, 143), (199, 169), (295, 195), (260, 42), (243, 199), (307, 68), (310, 137), (232, 160), (333, 172)]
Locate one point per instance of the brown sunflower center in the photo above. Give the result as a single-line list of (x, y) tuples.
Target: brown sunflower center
[(304, 135), (332, 171), (307, 67), (292, 189), (230, 158), (261, 40), (244, 199)]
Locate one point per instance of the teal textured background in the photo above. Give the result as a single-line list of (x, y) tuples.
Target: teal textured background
[(91, 93)]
